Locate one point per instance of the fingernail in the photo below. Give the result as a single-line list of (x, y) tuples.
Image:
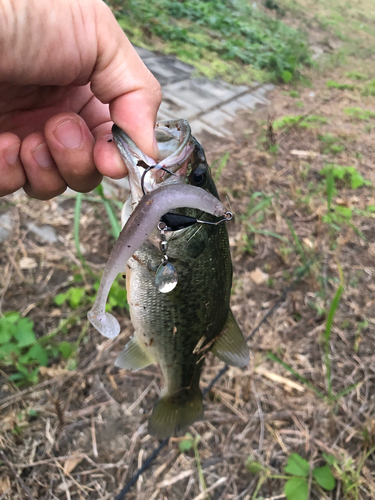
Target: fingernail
[(11, 154), (42, 156), (69, 134)]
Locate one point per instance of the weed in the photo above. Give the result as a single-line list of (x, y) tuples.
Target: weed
[(22, 350), (328, 395), (297, 487), (238, 34), (218, 166), (189, 442), (349, 472), (297, 476), (359, 114), (331, 144), (332, 84), (369, 88), (349, 175), (294, 93), (310, 121), (356, 75)]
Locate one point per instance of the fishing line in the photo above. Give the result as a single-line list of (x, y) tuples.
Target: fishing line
[(147, 464)]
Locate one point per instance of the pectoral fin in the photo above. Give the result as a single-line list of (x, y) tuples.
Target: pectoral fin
[(231, 347), (134, 357)]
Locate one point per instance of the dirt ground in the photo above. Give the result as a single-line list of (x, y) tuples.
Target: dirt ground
[(87, 433)]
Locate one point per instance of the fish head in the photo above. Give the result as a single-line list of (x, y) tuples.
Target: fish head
[(175, 145)]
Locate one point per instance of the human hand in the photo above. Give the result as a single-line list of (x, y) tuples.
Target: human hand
[(66, 71)]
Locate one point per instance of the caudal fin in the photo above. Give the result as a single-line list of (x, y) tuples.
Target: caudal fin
[(176, 411)]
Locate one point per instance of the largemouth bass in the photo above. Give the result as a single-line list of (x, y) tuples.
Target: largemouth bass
[(177, 329)]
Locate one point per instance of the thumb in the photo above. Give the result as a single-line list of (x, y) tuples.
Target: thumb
[(121, 79)]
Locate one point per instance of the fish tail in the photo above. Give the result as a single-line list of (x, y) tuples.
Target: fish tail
[(176, 411)]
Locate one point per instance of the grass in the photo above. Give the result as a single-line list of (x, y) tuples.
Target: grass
[(228, 39)]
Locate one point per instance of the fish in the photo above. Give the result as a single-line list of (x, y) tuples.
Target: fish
[(176, 329)]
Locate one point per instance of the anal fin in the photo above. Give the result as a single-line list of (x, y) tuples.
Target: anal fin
[(134, 357), (174, 412), (231, 346)]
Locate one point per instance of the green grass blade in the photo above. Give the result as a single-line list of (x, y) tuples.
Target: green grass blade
[(346, 391), (267, 233), (330, 183), (77, 218), (327, 335), (259, 206), (273, 356), (115, 225), (220, 168), (297, 242)]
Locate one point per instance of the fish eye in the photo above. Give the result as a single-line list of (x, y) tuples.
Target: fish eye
[(199, 176)]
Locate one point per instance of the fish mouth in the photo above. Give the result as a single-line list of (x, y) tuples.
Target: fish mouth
[(175, 145)]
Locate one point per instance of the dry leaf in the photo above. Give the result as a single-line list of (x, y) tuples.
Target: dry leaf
[(308, 242), (52, 371), (71, 463), (4, 485), (258, 276), (304, 154), (28, 263)]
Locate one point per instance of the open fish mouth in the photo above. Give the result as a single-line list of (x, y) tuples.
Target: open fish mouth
[(175, 145)]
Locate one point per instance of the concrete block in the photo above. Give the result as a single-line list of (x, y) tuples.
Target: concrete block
[(199, 129), (144, 53), (233, 107), (218, 119), (250, 101), (163, 71), (190, 92), (174, 107)]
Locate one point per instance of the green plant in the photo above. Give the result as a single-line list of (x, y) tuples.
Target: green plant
[(359, 113), (327, 395), (219, 37), (302, 121), (218, 166), (294, 93), (21, 350), (349, 175), (332, 84), (369, 88), (297, 476), (331, 144), (77, 296), (356, 75), (189, 442), (297, 486), (349, 473)]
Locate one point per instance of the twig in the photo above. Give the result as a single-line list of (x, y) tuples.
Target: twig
[(19, 479)]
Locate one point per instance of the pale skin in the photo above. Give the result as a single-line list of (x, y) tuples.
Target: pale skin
[(67, 71)]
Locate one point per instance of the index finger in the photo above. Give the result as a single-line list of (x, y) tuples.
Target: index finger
[(121, 79)]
